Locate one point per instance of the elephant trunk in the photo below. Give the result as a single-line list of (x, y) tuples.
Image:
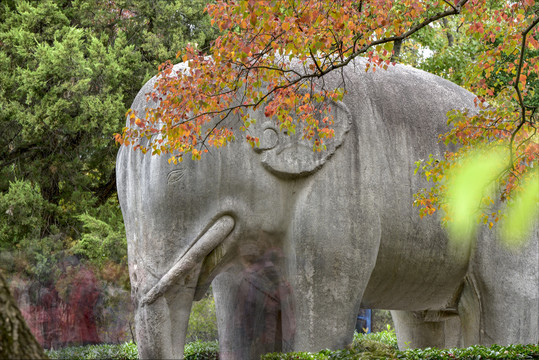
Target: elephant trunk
[(163, 313)]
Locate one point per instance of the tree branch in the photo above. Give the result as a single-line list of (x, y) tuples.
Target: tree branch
[(516, 86)]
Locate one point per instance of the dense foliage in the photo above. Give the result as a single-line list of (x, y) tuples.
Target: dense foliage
[(69, 70)]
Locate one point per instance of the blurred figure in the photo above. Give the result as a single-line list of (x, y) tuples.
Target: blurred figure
[(265, 315), (364, 321)]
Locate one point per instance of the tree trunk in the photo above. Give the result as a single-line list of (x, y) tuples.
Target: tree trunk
[(16, 339)]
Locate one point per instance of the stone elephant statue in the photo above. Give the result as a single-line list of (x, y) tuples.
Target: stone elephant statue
[(295, 242)]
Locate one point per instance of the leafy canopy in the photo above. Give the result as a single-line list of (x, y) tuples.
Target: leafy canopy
[(250, 67)]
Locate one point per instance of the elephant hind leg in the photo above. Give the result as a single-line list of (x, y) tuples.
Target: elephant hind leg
[(500, 300), (501, 310), (421, 329)]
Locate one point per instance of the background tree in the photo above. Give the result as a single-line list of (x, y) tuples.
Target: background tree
[(69, 70)]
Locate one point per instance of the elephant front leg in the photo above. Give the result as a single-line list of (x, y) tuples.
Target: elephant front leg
[(500, 301), (163, 306), (327, 301), (333, 246), (161, 326)]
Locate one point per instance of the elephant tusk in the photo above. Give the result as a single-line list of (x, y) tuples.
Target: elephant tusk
[(200, 249)]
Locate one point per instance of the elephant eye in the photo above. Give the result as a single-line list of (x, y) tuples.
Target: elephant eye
[(175, 176)]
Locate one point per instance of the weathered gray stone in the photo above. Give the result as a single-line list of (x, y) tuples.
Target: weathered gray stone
[(295, 242)]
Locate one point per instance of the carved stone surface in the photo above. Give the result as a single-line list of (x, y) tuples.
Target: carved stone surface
[(290, 156), (295, 242)]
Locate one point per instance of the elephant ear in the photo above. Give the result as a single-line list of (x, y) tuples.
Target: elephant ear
[(290, 156)]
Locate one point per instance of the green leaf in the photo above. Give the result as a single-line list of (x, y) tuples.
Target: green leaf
[(467, 187), (522, 212)]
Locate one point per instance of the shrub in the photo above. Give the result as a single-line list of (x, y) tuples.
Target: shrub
[(296, 355), (199, 350), (474, 352), (127, 351), (364, 347), (349, 354), (374, 346), (203, 321), (387, 337), (383, 345)]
